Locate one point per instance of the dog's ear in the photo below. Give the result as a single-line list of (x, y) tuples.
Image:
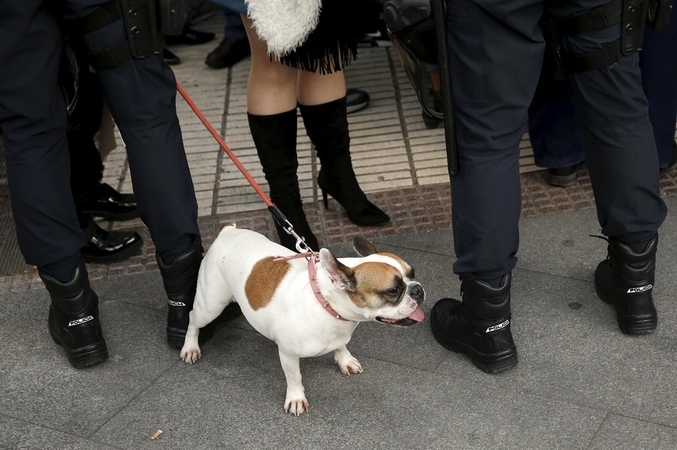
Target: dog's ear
[(342, 276), (363, 247)]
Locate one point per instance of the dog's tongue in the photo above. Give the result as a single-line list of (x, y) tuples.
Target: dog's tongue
[(417, 315)]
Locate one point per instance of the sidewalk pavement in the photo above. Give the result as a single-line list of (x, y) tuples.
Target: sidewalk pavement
[(580, 383)]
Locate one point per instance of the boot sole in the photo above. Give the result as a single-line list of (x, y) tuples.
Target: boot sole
[(627, 325), (86, 356), (489, 363), (176, 337)]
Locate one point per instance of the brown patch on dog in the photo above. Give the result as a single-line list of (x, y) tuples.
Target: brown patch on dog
[(263, 281), (226, 225), (373, 278), (408, 270)]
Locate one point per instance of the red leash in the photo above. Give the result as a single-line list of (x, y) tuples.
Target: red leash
[(223, 145), (277, 214)]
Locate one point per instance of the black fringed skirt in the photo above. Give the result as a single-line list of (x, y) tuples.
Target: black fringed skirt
[(333, 43)]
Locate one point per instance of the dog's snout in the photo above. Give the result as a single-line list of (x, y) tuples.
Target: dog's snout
[(416, 292)]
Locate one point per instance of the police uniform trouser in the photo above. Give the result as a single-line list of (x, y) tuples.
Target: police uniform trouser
[(141, 95), (496, 49), (658, 60)]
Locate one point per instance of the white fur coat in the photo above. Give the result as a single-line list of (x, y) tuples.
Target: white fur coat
[(284, 24)]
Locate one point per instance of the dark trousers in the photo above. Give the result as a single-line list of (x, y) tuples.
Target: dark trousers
[(496, 51), (141, 95), (85, 159), (552, 118)]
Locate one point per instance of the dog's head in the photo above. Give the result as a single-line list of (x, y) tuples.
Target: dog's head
[(377, 287)]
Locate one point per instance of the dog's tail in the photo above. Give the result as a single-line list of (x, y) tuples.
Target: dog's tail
[(225, 225)]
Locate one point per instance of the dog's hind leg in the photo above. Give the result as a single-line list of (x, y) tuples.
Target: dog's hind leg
[(295, 402), (205, 310)]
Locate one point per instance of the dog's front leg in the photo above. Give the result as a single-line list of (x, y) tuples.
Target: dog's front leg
[(346, 362), (190, 352), (295, 402)]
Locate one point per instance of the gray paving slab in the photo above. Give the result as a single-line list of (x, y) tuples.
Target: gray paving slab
[(20, 434), (233, 397), (623, 433)]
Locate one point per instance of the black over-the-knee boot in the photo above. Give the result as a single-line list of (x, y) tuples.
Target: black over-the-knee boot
[(180, 281), (74, 319), (626, 279), (479, 326), (275, 139), (327, 128)]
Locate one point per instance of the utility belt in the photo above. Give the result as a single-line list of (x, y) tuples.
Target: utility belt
[(633, 16), (146, 23)]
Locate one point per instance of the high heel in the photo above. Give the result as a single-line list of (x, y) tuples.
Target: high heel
[(348, 194), (327, 128), (275, 139)]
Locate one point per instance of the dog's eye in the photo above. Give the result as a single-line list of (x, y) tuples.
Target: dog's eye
[(395, 292)]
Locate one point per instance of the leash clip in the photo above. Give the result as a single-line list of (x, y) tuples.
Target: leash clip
[(301, 245)]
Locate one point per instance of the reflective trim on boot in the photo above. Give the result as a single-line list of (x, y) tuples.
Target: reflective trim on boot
[(180, 282), (626, 280), (478, 327), (78, 333)]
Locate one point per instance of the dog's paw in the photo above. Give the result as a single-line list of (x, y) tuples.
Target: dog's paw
[(296, 406), (190, 355), (351, 366), (347, 363)]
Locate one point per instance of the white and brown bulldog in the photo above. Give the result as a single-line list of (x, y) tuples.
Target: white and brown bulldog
[(308, 306)]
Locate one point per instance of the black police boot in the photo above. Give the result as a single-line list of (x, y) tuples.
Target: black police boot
[(108, 203), (74, 319), (105, 247), (626, 279), (479, 326), (180, 281)]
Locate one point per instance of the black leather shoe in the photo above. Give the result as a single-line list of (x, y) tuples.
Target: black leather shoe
[(563, 176), (105, 247), (625, 280), (478, 327), (229, 52), (110, 204), (190, 37), (356, 100), (77, 329), (170, 57)]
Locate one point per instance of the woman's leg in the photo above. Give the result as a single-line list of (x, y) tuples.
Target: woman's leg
[(272, 86)]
